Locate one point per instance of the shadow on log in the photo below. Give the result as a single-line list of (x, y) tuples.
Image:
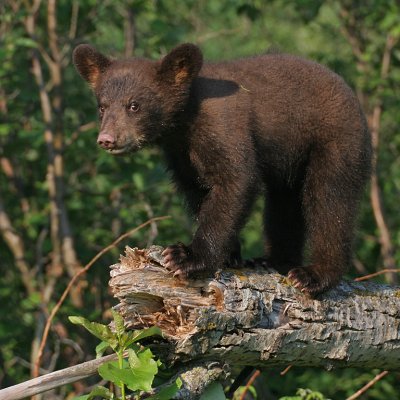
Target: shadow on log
[(254, 317)]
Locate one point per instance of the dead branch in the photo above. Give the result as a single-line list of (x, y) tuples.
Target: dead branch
[(254, 317), (54, 379), (372, 382), (244, 317)]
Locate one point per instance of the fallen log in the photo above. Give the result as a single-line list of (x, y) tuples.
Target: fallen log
[(254, 317), (243, 317)]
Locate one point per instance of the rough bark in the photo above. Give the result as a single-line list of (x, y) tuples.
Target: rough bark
[(254, 317), (244, 317)]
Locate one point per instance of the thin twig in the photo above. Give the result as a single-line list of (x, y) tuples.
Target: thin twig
[(255, 375), (367, 386), (71, 283), (286, 370), (382, 271)]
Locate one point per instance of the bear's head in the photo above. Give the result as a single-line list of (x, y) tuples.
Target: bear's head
[(138, 99)]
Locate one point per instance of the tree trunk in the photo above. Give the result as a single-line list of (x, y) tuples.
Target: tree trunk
[(254, 317)]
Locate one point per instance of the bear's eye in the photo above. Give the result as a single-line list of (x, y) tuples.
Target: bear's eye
[(101, 109), (133, 106)]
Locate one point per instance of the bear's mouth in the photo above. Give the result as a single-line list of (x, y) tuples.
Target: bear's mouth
[(128, 148), (116, 152)]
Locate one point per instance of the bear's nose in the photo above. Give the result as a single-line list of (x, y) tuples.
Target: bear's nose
[(106, 141)]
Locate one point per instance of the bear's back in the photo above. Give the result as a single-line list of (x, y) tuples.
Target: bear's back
[(284, 94)]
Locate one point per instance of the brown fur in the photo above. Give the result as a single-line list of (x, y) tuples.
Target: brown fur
[(276, 124)]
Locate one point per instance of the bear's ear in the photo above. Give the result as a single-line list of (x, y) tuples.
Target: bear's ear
[(90, 63), (181, 65)]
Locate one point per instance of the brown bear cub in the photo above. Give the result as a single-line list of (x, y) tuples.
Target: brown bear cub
[(229, 130)]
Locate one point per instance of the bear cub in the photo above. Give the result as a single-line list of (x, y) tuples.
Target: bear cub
[(274, 124)]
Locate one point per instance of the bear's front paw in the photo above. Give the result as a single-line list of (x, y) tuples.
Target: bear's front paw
[(308, 279), (177, 258)]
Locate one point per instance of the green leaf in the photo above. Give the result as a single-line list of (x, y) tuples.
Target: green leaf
[(111, 372), (138, 375), (167, 392), (4, 130), (101, 391), (97, 391), (101, 348), (305, 394), (143, 368), (138, 180), (214, 391), (135, 336), (103, 332)]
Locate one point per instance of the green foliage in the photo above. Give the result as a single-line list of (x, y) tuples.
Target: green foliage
[(241, 389), (305, 394), (106, 196), (137, 372), (98, 391), (101, 331)]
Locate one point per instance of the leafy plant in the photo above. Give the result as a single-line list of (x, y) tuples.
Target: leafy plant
[(135, 368), (305, 394)]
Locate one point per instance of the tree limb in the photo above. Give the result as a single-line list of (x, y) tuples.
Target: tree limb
[(53, 380), (254, 317), (243, 317)]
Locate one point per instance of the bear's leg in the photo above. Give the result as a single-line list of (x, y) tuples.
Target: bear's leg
[(222, 214), (284, 228), (331, 192)]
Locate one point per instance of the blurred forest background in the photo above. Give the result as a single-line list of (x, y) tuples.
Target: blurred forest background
[(62, 199)]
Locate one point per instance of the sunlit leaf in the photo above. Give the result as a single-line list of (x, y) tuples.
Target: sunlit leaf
[(136, 336), (101, 348), (143, 368), (103, 332), (110, 371)]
